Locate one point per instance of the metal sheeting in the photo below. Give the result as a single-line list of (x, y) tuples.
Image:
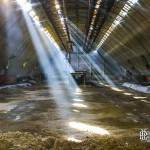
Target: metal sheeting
[(128, 43)]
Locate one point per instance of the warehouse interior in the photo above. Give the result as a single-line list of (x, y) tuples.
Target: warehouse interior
[(74, 74)]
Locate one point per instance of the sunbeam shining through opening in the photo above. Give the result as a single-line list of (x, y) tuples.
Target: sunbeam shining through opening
[(55, 66)]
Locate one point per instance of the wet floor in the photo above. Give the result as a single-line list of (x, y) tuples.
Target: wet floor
[(94, 112)]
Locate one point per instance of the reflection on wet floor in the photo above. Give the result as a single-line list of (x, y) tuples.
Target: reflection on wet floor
[(88, 128), (94, 112)]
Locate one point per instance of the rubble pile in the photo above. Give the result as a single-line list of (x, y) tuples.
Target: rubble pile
[(28, 141)]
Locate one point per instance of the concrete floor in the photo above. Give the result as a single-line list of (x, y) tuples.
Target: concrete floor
[(103, 112)]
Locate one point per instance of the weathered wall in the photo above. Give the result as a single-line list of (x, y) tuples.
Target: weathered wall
[(17, 55), (129, 43)]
